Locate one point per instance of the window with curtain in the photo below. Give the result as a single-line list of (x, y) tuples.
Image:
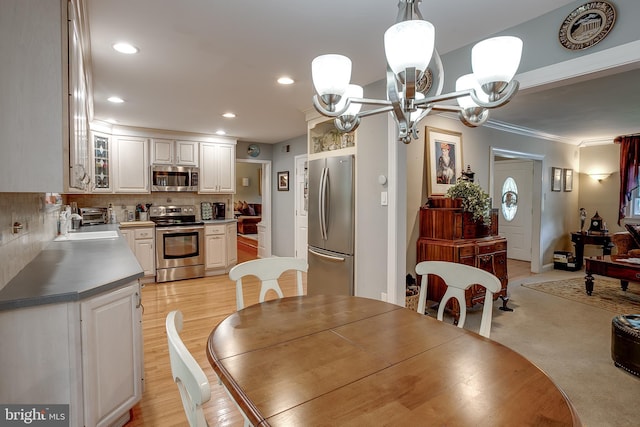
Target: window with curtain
[(629, 167)]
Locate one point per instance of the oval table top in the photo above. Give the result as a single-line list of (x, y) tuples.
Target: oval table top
[(340, 360)]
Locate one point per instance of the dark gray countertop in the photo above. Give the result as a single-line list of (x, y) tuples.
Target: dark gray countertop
[(72, 270)]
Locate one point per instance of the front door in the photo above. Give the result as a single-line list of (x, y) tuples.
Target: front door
[(513, 197)]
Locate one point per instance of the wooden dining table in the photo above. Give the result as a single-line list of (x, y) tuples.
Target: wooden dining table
[(351, 361)]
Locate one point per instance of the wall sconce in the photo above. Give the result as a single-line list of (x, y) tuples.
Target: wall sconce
[(599, 176), (245, 182)]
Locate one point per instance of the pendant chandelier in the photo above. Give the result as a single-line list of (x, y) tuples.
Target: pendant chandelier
[(415, 79)]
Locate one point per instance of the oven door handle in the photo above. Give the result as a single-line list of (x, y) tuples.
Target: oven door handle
[(165, 230)]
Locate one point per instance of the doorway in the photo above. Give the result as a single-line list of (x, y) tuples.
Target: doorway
[(532, 192), (253, 185)]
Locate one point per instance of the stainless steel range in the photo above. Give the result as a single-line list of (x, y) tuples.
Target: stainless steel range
[(179, 243)]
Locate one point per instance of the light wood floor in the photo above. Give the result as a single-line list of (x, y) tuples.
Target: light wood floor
[(204, 303)]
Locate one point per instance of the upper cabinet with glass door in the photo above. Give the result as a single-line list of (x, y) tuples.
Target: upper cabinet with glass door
[(325, 140), (101, 163)]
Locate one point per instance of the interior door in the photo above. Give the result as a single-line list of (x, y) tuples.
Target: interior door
[(302, 205), (513, 181)]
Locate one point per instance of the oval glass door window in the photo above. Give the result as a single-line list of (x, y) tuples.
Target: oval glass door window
[(509, 199)]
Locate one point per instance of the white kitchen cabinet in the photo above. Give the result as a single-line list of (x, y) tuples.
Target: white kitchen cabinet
[(142, 243), (169, 152), (131, 165), (112, 362), (34, 122), (161, 151), (86, 353), (215, 246), (217, 168), (232, 244), (187, 153)]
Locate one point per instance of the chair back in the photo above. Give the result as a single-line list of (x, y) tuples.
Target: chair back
[(188, 375), (267, 270), (458, 278)]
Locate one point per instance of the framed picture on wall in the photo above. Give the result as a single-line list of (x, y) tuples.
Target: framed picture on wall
[(568, 180), (556, 179), (443, 152), (283, 181)]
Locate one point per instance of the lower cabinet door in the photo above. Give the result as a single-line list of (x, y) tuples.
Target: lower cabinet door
[(111, 355), (215, 251)]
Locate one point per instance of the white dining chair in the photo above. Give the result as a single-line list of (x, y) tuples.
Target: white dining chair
[(188, 375), (458, 278), (267, 270), (192, 382)]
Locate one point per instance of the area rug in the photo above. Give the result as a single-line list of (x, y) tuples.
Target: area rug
[(606, 294)]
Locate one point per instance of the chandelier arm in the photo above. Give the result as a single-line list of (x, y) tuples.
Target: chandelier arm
[(445, 97), (375, 111), (505, 96), (396, 104), (473, 120), (445, 107), (322, 110)]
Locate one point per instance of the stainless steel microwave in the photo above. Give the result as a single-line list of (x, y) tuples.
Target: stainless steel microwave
[(174, 178)]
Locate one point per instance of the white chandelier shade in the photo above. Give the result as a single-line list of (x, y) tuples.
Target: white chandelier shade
[(496, 59), (353, 91), (331, 74), (469, 81), (472, 114), (409, 44), (412, 60)]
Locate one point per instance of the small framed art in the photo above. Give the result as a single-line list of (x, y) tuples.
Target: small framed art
[(443, 151), (556, 179), (568, 180), (283, 181)]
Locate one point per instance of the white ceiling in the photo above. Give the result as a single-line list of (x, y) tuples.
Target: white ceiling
[(201, 58)]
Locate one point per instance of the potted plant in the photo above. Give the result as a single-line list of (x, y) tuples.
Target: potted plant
[(474, 200)]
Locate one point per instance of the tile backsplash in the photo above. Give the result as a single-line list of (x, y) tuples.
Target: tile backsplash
[(122, 202), (39, 227)]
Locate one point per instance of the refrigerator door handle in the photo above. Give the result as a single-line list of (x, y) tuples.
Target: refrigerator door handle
[(329, 257), (323, 203)]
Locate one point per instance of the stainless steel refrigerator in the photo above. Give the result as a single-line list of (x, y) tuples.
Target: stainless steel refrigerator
[(331, 226)]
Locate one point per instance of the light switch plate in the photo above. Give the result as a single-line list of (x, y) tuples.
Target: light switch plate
[(383, 198)]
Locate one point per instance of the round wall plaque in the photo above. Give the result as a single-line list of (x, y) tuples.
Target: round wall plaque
[(587, 25), (253, 150)]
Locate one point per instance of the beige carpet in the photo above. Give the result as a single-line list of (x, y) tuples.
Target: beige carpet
[(607, 293)]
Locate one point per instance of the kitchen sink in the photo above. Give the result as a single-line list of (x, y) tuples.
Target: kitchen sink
[(88, 235)]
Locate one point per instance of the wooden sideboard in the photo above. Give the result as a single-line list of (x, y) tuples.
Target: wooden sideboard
[(448, 234)]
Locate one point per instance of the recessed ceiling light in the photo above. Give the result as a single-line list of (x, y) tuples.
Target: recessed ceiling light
[(115, 99), (285, 80), (220, 132), (125, 48), (229, 115)]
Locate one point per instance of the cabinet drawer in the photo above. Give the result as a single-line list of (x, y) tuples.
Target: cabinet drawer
[(488, 248), (465, 251), (214, 229), (143, 233)]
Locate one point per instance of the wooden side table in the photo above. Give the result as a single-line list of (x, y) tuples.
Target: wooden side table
[(580, 239)]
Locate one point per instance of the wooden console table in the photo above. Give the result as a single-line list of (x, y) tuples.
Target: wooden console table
[(448, 234), (611, 266), (580, 239)]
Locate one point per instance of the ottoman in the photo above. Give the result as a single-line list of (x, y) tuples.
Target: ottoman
[(625, 342)]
